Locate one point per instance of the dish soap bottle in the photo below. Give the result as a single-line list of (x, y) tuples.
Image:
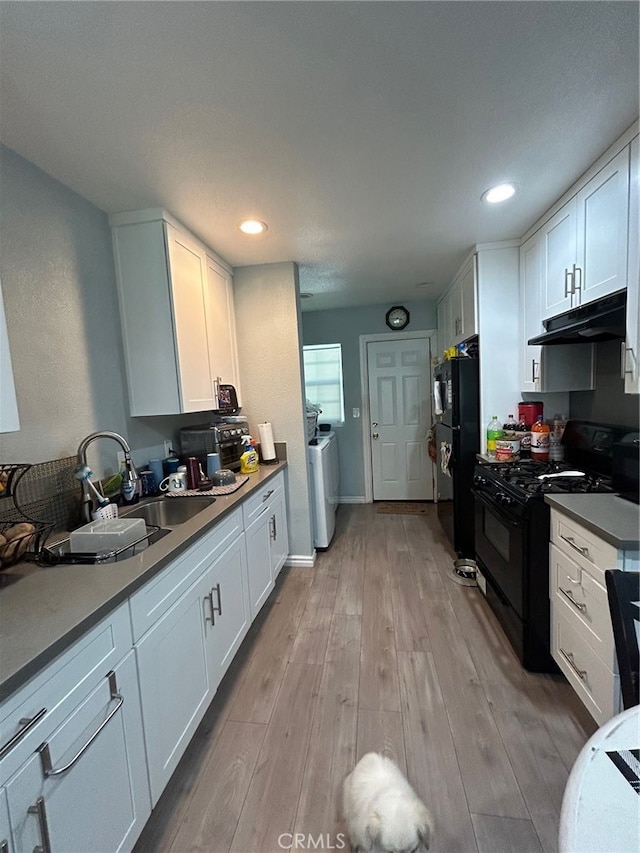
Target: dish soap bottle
[(494, 431), (249, 458)]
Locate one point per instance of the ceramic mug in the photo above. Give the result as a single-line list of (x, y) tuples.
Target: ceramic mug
[(175, 482)]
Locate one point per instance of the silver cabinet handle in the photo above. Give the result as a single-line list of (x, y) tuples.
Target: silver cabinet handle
[(534, 364), (576, 286), (45, 755), (4, 846), (568, 656), (568, 594), (272, 528), (624, 349), (218, 610), (212, 610), (570, 541), (39, 810), (28, 723), (275, 529), (267, 495), (568, 290)]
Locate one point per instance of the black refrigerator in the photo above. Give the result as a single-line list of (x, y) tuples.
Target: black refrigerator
[(457, 383)]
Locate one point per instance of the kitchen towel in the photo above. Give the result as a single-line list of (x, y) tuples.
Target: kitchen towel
[(437, 398), (267, 447)]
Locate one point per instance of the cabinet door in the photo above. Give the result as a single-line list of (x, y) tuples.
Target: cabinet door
[(175, 687), (531, 257), (631, 347), (455, 297), (228, 608), (602, 236), (102, 801), (6, 843), (188, 275), (221, 331), (468, 325), (259, 559), (559, 235), (279, 534), (445, 337)]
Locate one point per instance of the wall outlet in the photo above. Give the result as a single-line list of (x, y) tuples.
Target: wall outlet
[(356, 413), (167, 446)]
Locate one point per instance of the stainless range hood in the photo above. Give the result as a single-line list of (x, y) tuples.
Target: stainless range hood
[(602, 320)]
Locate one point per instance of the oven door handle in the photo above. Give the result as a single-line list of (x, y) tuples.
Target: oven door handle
[(495, 509)]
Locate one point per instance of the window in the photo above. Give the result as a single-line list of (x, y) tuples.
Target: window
[(323, 380)]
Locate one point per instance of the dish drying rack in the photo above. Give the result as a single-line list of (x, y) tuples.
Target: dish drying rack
[(22, 535), (52, 555)]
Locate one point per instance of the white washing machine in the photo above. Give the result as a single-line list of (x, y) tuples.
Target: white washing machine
[(324, 481)]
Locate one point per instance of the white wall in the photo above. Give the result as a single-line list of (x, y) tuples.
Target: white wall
[(63, 323), (270, 355)]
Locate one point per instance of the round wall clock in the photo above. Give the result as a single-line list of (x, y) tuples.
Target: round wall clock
[(397, 318)]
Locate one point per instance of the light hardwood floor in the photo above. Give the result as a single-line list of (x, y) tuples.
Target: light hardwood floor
[(375, 649)]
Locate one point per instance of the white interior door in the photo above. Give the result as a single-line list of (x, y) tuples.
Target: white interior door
[(400, 410)]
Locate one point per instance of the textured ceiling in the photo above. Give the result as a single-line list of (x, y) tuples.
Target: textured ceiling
[(363, 133)]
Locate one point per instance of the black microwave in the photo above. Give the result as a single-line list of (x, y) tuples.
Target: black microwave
[(626, 467)]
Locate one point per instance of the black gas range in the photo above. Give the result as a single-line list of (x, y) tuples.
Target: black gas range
[(512, 531)]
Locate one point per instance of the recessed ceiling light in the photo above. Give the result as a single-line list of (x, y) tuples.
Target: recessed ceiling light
[(501, 192), (252, 226), (424, 284)]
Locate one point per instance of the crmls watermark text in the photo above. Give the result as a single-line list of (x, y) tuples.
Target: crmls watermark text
[(307, 841)]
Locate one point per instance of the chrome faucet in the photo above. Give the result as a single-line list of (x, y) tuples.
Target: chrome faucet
[(129, 475)]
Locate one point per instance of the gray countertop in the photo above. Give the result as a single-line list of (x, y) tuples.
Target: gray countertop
[(45, 611), (614, 519)]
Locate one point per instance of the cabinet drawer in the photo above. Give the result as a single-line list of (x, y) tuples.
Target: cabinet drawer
[(61, 686), (149, 603), (264, 496), (584, 603), (593, 681), (587, 549)]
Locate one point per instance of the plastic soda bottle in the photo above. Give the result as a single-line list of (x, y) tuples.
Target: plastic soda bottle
[(540, 435), (494, 431)]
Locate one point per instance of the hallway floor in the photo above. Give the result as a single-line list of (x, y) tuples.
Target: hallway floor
[(374, 649)]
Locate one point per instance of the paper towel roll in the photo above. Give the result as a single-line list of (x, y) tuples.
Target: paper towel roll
[(267, 447)]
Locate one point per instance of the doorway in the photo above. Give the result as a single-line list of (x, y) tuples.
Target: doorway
[(397, 415)]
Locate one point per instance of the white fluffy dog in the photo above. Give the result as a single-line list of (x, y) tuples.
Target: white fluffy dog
[(382, 811)]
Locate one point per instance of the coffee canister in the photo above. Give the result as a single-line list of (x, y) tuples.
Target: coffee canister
[(530, 412)]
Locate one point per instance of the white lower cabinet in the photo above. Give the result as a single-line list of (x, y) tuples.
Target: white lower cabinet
[(265, 522), (175, 688), (183, 657), (581, 634), (6, 842), (279, 533), (85, 788)]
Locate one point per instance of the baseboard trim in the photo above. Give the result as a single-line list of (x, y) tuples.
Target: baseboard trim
[(302, 560), (352, 499)]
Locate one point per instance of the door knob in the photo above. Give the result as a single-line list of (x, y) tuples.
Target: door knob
[(375, 435)]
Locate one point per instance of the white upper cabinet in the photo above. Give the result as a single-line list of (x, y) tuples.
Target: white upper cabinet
[(457, 309), (566, 367), (586, 241), (631, 346), (176, 305)]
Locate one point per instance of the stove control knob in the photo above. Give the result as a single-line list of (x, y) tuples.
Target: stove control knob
[(503, 499), (479, 480)]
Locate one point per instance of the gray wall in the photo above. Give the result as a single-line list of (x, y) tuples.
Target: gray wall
[(344, 326), (270, 355), (608, 403), (58, 281)]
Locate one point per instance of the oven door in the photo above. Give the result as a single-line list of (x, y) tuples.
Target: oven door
[(499, 541)]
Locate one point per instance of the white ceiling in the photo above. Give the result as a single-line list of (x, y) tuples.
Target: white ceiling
[(363, 133)]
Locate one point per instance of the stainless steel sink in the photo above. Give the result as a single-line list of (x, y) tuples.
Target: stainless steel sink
[(168, 512)]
